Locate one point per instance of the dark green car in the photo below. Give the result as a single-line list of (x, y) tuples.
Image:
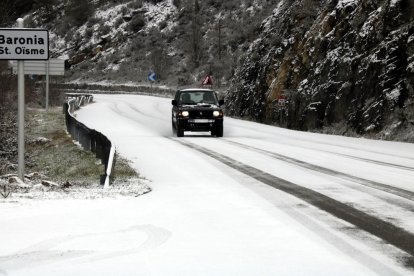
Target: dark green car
[(197, 110)]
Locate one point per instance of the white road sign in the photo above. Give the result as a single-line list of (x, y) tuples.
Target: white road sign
[(39, 67), (24, 44)]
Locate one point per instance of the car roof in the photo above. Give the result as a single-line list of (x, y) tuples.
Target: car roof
[(195, 89)]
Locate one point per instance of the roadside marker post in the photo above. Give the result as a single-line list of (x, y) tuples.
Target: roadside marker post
[(152, 77)]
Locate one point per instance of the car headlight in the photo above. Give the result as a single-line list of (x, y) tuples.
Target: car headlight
[(216, 113), (185, 113)]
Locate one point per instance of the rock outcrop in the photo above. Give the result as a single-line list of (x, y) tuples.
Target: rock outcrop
[(344, 66)]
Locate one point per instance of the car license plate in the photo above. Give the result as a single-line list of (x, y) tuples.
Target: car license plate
[(201, 121)]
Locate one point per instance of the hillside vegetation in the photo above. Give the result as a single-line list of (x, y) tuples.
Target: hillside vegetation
[(122, 41), (340, 66), (345, 66)]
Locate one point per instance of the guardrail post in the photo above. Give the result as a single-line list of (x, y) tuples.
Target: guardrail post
[(99, 149), (93, 141), (86, 139)]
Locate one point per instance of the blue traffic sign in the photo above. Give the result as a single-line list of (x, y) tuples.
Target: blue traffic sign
[(152, 76)]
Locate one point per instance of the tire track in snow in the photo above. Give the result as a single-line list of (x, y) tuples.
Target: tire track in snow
[(369, 183), (386, 231), (116, 109), (48, 251), (381, 163), (324, 143)]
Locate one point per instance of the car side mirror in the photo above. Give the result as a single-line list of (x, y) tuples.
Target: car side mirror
[(174, 102), (221, 102)]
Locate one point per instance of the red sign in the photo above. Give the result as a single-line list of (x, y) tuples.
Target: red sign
[(281, 100), (208, 80)]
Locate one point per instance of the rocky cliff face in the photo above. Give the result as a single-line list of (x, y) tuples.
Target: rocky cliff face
[(344, 66)]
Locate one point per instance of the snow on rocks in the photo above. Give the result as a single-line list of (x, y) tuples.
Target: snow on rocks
[(13, 180), (158, 13), (393, 3), (344, 3), (40, 141), (350, 56), (47, 183), (38, 186)]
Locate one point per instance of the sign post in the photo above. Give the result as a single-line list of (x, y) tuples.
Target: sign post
[(47, 86), (20, 108), (23, 44), (281, 102)]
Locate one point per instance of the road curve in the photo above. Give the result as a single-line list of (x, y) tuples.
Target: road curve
[(268, 195)]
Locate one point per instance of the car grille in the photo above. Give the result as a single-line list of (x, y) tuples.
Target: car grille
[(201, 114)]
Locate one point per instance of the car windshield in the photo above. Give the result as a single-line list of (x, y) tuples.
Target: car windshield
[(198, 97)]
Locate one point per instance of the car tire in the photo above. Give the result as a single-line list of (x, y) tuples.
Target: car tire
[(174, 129), (180, 132), (219, 131)]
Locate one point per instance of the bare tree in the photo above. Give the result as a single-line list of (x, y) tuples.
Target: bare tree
[(196, 34), (6, 13), (45, 8), (159, 61), (158, 58), (79, 11)]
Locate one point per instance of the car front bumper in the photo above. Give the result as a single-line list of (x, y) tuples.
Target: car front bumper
[(189, 124)]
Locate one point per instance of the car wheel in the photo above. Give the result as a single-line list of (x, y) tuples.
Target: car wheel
[(174, 129), (180, 132), (219, 131)]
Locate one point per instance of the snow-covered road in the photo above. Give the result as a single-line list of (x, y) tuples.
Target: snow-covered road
[(259, 201)]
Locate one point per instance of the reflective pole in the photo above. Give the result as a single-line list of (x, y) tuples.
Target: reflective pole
[(20, 107)]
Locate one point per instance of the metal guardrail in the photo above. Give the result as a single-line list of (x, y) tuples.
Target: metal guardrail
[(115, 89), (89, 139), (121, 89)]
